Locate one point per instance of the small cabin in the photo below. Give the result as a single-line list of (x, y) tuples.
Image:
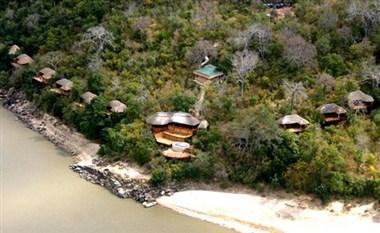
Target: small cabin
[(44, 75), (170, 127), (63, 86), (333, 113), (13, 50), (87, 97), (207, 74), (359, 101), (22, 60), (116, 106), (293, 123)]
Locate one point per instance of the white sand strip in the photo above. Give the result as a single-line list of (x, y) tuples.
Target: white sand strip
[(254, 213)]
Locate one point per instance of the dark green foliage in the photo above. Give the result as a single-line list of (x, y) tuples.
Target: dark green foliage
[(96, 83), (182, 102), (334, 64), (144, 65), (3, 79), (258, 149), (133, 140), (95, 118)]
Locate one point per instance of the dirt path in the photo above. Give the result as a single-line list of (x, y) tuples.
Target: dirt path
[(198, 106)]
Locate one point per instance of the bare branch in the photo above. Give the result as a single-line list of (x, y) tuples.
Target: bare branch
[(141, 23), (372, 75), (367, 12), (199, 51), (53, 59), (297, 51), (97, 37), (326, 81), (244, 62), (295, 92)]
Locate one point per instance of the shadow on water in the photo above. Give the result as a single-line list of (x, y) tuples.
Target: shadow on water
[(40, 139), (61, 152)]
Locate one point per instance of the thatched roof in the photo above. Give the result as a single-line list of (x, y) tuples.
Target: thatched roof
[(357, 98), (164, 118), (13, 49), (332, 108), (87, 97), (65, 84), (46, 73), (117, 106), (23, 59), (293, 119)]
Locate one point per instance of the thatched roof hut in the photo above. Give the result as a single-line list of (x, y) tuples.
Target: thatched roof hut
[(13, 49), (358, 101), (333, 113), (22, 59), (293, 123), (332, 108), (87, 97), (64, 84), (165, 118), (171, 127), (44, 75), (116, 106)]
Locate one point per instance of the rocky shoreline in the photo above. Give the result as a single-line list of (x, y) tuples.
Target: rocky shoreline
[(120, 178)]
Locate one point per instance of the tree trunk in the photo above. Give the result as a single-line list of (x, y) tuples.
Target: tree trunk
[(241, 88), (292, 101)]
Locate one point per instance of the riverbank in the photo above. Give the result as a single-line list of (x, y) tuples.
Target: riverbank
[(252, 212), (122, 178), (244, 211)]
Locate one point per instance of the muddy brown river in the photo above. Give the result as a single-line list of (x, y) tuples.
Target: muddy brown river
[(40, 194)]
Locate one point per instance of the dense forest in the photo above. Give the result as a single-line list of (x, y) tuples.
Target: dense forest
[(277, 61)]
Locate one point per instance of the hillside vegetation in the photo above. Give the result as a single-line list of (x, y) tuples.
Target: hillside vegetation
[(143, 53)]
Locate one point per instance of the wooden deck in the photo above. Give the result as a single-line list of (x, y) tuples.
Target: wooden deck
[(295, 130), (160, 139), (167, 138), (171, 154), (334, 119), (59, 91)]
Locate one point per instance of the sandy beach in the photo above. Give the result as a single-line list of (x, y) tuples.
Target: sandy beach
[(250, 213), (245, 212)]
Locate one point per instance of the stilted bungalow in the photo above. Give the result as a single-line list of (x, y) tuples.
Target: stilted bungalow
[(44, 75), (179, 150), (13, 50), (116, 106), (22, 60), (293, 123), (63, 86), (170, 127), (359, 101), (207, 74), (87, 97), (333, 113)]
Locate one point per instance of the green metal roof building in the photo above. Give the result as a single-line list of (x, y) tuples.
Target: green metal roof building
[(207, 74)]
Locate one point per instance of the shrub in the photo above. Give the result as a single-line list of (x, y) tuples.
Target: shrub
[(182, 102), (334, 64), (158, 176)]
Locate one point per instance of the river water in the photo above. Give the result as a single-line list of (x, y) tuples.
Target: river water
[(40, 194)]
